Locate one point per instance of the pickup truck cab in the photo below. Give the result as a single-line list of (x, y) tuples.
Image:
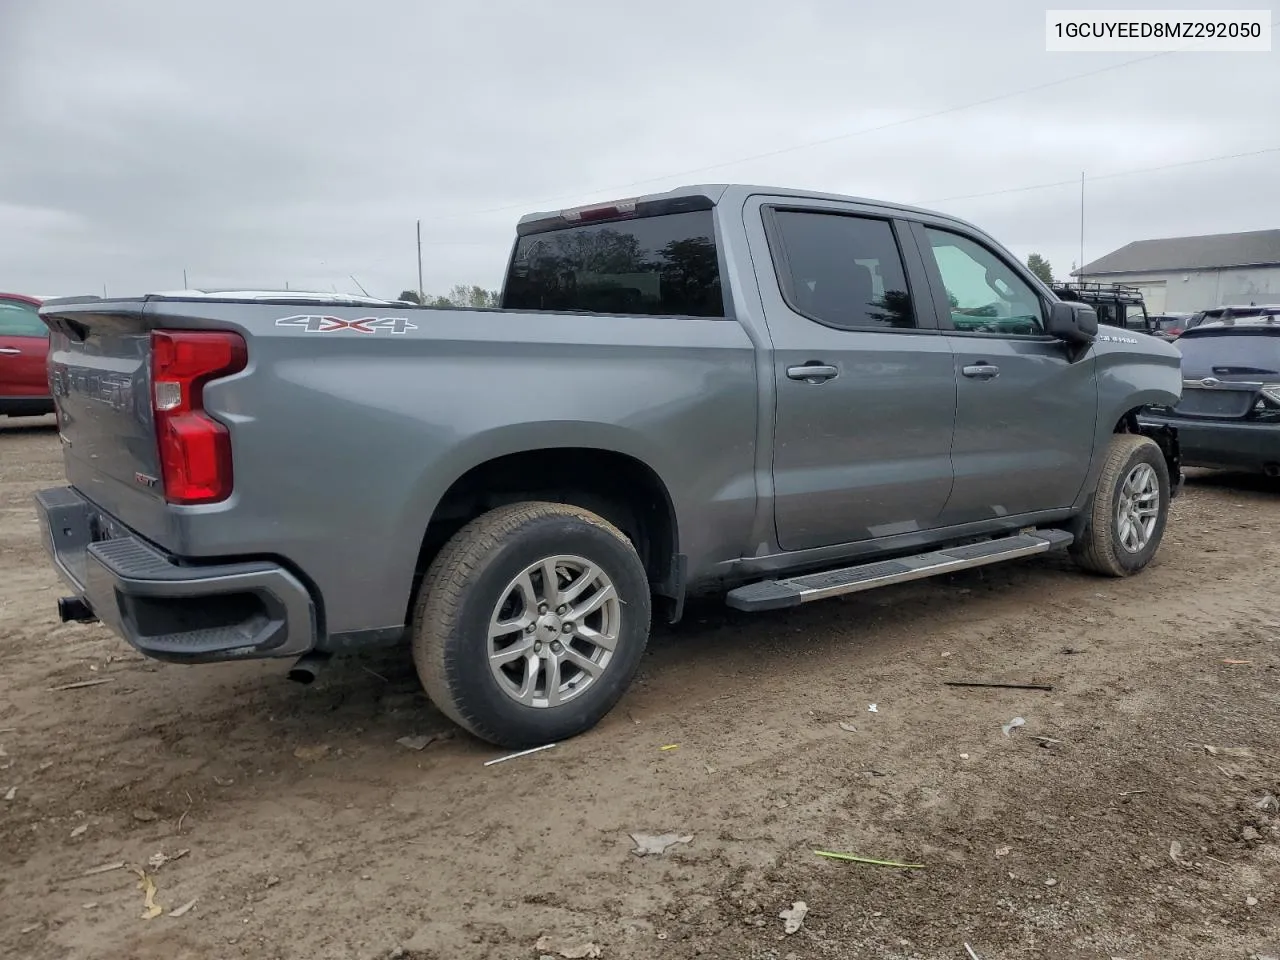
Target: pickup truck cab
[(766, 394)]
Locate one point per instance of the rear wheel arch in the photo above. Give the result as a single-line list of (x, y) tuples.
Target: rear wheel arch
[(619, 487)]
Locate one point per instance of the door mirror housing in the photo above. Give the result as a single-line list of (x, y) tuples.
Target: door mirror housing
[(1074, 323)]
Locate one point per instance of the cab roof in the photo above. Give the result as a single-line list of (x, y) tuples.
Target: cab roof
[(714, 194)]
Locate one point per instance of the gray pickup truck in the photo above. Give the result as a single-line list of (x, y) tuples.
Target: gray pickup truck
[(764, 394)]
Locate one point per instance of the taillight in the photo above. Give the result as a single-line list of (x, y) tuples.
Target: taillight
[(195, 449)]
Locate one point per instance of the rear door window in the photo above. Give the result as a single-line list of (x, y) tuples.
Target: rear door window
[(843, 271), (18, 319), (664, 265)]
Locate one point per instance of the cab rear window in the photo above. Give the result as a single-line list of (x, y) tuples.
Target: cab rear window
[(657, 265)]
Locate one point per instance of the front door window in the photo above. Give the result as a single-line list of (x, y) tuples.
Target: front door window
[(985, 294)]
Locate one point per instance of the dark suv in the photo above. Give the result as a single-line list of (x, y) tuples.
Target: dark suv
[(1229, 414)]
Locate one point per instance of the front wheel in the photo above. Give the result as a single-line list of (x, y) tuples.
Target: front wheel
[(531, 622), (1130, 508)]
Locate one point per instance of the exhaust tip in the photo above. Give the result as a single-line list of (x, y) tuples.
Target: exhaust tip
[(74, 609), (307, 668)]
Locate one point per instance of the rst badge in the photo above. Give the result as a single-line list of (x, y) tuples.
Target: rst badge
[(313, 323)]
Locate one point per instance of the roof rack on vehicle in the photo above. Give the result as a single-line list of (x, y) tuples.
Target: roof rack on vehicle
[(1089, 286)]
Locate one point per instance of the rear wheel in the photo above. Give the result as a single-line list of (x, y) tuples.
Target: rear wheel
[(1130, 508), (531, 622)]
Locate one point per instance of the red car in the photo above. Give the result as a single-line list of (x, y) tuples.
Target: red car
[(24, 349)]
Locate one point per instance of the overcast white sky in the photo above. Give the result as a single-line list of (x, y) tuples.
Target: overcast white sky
[(254, 143)]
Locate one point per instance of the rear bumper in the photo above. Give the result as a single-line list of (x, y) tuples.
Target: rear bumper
[(1219, 443), (172, 610)]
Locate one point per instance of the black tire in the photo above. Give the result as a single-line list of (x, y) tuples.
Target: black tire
[(462, 591), (1100, 548)]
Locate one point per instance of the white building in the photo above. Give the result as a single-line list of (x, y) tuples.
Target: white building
[(1186, 274)]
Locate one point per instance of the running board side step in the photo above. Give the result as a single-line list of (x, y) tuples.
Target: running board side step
[(780, 594)]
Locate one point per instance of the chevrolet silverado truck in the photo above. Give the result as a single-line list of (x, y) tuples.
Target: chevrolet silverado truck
[(764, 394)]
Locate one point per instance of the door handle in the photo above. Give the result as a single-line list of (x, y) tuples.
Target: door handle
[(813, 372), (981, 371), (11, 351)]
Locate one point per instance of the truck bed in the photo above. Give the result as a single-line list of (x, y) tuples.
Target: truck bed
[(350, 422)]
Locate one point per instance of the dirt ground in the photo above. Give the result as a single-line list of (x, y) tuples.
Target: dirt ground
[(303, 830)]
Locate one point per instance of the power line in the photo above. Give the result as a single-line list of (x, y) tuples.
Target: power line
[(530, 204), (780, 151), (808, 145), (1039, 186), (1104, 176)]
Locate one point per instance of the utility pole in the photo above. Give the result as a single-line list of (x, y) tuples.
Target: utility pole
[(421, 295), (185, 285), (1081, 277)]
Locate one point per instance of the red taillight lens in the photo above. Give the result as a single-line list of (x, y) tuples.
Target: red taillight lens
[(195, 449)]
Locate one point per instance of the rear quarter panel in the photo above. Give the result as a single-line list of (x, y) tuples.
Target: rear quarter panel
[(344, 442)]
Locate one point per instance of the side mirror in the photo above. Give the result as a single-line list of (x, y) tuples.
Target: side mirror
[(1074, 323)]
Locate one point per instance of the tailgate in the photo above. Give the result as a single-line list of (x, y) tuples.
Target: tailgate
[(1230, 373), (1219, 399), (99, 372)]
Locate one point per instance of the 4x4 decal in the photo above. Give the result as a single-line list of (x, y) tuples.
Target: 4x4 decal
[(313, 323)]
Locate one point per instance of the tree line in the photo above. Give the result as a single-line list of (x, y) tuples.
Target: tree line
[(461, 295)]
